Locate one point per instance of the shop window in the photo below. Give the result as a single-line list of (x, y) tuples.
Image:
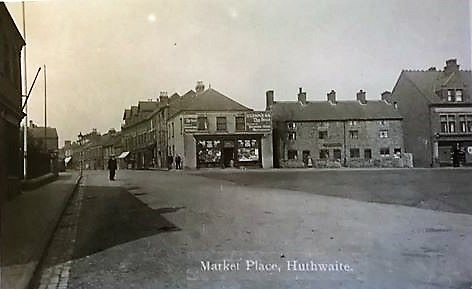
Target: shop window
[(202, 123), (292, 135), (221, 123), (385, 152), (323, 134), (354, 134), (209, 151), (367, 154), (240, 123), (383, 133), (292, 155), (337, 154), (355, 153), (248, 150), (324, 154)]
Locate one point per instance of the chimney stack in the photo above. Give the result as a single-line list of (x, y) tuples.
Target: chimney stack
[(332, 97), (269, 99), (200, 87), (163, 98), (451, 66), (361, 97), (301, 96), (386, 96), (67, 143)]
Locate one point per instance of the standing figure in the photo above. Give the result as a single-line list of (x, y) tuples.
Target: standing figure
[(456, 155), (170, 160), (112, 167), (178, 162)]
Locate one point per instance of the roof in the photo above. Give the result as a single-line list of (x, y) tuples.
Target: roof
[(147, 106), (325, 111), (5, 14), (428, 82), (208, 100), (127, 114), (38, 132)]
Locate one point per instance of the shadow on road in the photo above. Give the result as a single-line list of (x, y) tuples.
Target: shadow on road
[(111, 216)]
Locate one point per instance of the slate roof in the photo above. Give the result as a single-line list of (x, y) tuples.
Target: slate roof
[(428, 82), (147, 106), (208, 100), (38, 132), (325, 111), (127, 114)]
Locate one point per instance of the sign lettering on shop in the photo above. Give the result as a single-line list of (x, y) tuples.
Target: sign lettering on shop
[(190, 123), (258, 121)]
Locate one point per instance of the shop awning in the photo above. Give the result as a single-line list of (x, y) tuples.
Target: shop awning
[(123, 155), (67, 160)]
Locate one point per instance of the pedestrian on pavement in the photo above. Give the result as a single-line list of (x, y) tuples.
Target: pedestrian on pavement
[(170, 160), (112, 167), (178, 162)]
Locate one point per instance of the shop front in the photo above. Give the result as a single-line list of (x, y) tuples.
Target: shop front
[(223, 151), (455, 152)]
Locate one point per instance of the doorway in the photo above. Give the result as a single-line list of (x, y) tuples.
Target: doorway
[(228, 156)]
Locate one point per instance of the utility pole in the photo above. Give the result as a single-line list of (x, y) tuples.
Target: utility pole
[(25, 73), (45, 111)]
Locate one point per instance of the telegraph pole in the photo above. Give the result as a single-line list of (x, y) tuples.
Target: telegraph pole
[(45, 111), (25, 80)]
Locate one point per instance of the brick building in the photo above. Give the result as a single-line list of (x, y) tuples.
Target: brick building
[(334, 133), (436, 106), (11, 43)]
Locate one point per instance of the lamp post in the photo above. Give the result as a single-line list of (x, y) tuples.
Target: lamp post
[(81, 140)]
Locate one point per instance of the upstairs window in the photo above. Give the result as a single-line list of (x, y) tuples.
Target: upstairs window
[(383, 133), (352, 122), (454, 95), (323, 134), (292, 135), (240, 123), (221, 123), (354, 134), (202, 123), (458, 94), (291, 125)]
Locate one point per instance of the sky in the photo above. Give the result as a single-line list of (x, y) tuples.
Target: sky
[(104, 56)]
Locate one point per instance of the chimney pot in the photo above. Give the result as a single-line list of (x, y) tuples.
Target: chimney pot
[(200, 87), (332, 96), (301, 96), (269, 99), (386, 96), (361, 97), (451, 66)]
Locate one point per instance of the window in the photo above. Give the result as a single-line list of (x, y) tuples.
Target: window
[(443, 119), (367, 154), (450, 95), (221, 123), (451, 123), (324, 154), (240, 123), (462, 123), (354, 134), (292, 155), (172, 129), (383, 133), (248, 150), (292, 135), (385, 152), (337, 154), (291, 125), (469, 123), (352, 122), (355, 153), (323, 134), (209, 151), (181, 127), (323, 124), (382, 122), (202, 123), (397, 151), (459, 95), (395, 105)]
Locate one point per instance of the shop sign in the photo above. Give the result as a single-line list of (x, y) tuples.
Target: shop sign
[(190, 123), (258, 121)]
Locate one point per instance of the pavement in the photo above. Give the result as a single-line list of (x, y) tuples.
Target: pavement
[(175, 220), (28, 222)]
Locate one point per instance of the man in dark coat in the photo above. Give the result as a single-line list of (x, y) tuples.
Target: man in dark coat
[(112, 167)]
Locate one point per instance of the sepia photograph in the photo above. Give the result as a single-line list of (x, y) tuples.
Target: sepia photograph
[(247, 144)]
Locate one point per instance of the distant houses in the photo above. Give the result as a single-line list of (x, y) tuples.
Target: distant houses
[(425, 121)]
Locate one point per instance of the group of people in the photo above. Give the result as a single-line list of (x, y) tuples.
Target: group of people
[(177, 160)]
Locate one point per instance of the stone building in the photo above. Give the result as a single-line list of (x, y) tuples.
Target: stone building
[(332, 133), (11, 114), (209, 129), (436, 106)]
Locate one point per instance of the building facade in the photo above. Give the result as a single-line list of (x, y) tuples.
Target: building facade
[(335, 133), (436, 106), (11, 114), (209, 129)]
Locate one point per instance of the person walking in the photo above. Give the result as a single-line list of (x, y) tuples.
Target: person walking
[(112, 167)]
